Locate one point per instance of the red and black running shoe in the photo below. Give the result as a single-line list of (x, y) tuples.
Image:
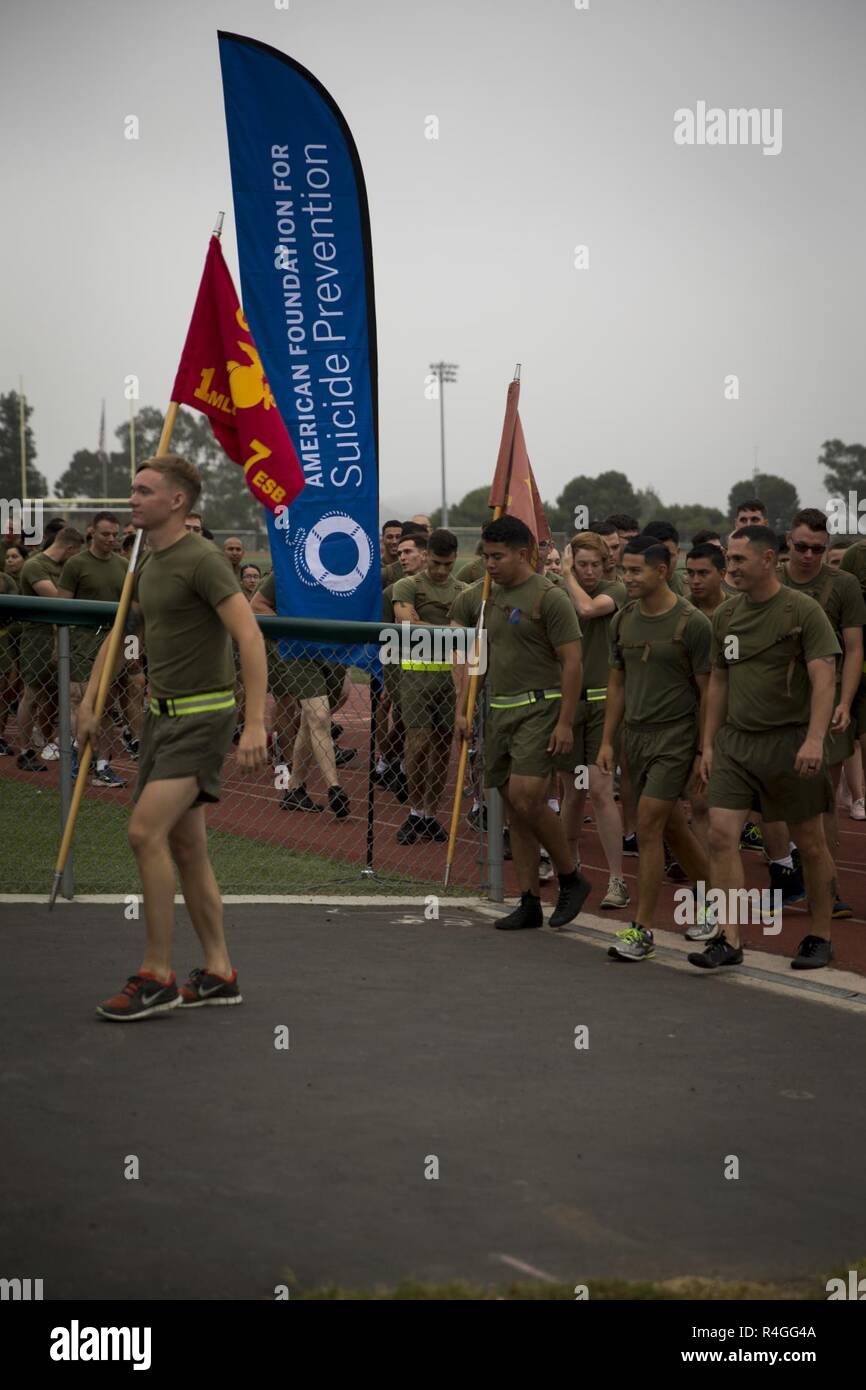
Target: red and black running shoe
[(204, 988), (141, 997)]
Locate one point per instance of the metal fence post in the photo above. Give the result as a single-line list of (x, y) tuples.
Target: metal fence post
[(67, 882), (495, 859)]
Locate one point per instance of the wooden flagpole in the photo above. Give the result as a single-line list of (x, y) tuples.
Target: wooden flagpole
[(471, 700)]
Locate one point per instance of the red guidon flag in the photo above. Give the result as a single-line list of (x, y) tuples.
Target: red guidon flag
[(514, 488), (221, 374)]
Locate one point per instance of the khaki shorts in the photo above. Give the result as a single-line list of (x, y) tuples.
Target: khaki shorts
[(755, 772), (427, 700), (515, 742), (185, 745), (661, 757)]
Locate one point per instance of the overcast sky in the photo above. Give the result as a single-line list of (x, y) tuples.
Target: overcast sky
[(556, 130)]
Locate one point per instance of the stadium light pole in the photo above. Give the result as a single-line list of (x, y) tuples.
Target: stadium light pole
[(443, 371)]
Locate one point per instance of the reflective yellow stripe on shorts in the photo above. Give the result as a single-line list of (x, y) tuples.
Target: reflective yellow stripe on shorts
[(209, 702), (530, 697), (597, 694), (425, 665)]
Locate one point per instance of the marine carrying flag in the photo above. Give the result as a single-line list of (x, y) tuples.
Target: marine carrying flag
[(514, 488), (221, 374)]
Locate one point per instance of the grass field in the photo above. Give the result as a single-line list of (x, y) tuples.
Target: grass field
[(103, 862), (597, 1291)]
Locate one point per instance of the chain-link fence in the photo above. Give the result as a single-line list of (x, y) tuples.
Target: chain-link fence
[(356, 796)]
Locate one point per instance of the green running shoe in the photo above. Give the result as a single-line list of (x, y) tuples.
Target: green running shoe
[(635, 943)]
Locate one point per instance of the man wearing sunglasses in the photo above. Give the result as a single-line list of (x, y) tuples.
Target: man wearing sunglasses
[(839, 595)]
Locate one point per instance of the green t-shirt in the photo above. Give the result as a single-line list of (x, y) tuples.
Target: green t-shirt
[(188, 650), (472, 571), (391, 573), (596, 639), (524, 625), (268, 589), (659, 664), (758, 665), (388, 604), (839, 595), (86, 576), (38, 637), (675, 583), (432, 602)]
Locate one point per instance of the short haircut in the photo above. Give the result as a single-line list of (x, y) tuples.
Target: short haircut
[(840, 543), (196, 516), (602, 528), (49, 532), (654, 552), (418, 538), (621, 521), (750, 504), (589, 540), (442, 542), (707, 552), (208, 535), (811, 517), (69, 535), (127, 543), (105, 516), (412, 528), (508, 530), (386, 525), (249, 565), (179, 472), (701, 537), (662, 531), (757, 535)]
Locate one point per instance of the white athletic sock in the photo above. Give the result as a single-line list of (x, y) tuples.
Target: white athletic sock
[(786, 863), (476, 804), (413, 812), (553, 803), (382, 765), (101, 764)]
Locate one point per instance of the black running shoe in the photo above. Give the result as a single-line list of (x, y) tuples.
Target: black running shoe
[(6, 749), (336, 730), (433, 830), (812, 953), (573, 893), (298, 800), (203, 988), (130, 744), (527, 914), (719, 952), (629, 846), (411, 830), (28, 762), (338, 802), (342, 756), (477, 818), (841, 910), (141, 997), (789, 882), (506, 844), (674, 872)]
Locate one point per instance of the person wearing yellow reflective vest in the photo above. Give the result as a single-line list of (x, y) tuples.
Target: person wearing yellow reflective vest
[(426, 688), (595, 600), (190, 606), (534, 676)]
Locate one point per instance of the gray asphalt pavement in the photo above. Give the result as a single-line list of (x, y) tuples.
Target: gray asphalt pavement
[(410, 1040)]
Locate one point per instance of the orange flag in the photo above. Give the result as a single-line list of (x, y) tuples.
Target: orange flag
[(221, 374), (514, 488)]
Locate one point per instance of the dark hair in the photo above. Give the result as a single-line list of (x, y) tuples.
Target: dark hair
[(412, 528), (757, 535), (50, 532), (105, 516), (652, 550), (601, 528), (127, 543), (387, 524), (662, 531), (840, 543), (708, 552), (69, 535), (250, 565), (750, 504), (208, 535), (621, 521), (508, 530), (442, 542), (701, 537), (419, 537), (811, 517)]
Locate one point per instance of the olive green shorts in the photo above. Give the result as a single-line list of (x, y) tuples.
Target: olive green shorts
[(589, 729), (661, 757), (838, 747), (185, 745), (858, 712), (38, 670), (427, 699), (755, 772), (515, 742), (299, 678)]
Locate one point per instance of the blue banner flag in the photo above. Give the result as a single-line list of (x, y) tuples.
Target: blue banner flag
[(303, 234)]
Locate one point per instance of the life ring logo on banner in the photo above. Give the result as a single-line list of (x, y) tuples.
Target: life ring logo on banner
[(308, 556)]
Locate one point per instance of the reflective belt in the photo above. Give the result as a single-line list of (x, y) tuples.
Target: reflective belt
[(209, 702), (529, 698), (596, 694), (425, 666)]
